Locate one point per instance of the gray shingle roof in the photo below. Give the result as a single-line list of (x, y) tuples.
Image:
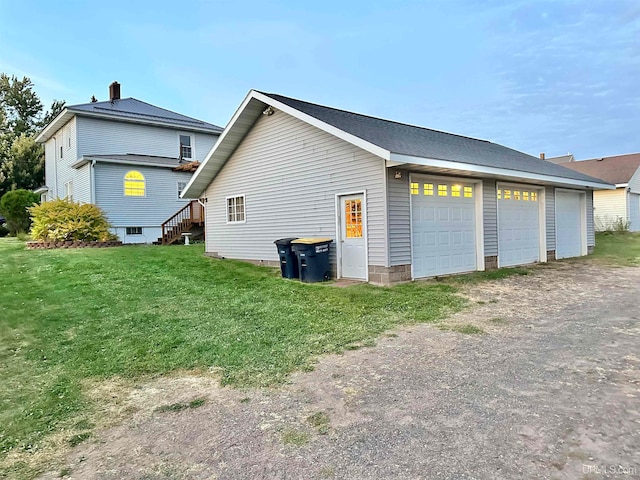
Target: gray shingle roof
[(134, 109), (422, 142), (140, 159), (616, 170)]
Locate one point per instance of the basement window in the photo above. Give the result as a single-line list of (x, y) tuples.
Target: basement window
[(134, 230), (235, 209)]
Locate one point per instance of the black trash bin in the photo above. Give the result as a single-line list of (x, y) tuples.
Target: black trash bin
[(313, 258), (288, 259)]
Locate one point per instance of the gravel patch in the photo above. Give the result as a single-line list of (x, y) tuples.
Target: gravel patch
[(550, 390)]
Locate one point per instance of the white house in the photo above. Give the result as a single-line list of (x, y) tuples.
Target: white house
[(400, 201), (130, 158), (612, 208)]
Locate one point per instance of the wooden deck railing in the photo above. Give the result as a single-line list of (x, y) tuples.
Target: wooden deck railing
[(188, 216)]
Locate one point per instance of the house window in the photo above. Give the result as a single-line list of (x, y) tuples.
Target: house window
[(134, 185), (443, 190), (456, 190), (353, 218), (428, 189), (134, 230), (186, 147), (415, 188), (60, 151), (235, 209), (181, 187), (68, 190), (468, 192)]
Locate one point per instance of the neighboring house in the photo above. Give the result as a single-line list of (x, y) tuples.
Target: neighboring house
[(400, 201), (614, 208), (130, 158), (559, 160)]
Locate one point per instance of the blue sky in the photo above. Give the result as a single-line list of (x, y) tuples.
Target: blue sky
[(538, 76)]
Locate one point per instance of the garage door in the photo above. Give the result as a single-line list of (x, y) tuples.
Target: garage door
[(634, 212), (518, 226), (568, 224), (443, 227)]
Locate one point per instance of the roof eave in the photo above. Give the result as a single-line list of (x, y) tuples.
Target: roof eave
[(240, 124), (47, 132), (178, 126), (400, 159), (86, 159)]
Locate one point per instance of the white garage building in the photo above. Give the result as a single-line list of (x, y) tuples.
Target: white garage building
[(401, 202)]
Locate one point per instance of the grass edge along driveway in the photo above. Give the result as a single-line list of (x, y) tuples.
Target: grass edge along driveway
[(72, 317)]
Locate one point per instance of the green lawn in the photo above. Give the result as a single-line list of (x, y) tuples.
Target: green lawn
[(67, 316), (622, 249)]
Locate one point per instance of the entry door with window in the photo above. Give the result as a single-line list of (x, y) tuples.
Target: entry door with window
[(352, 241)]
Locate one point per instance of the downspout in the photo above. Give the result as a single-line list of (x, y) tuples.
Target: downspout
[(55, 164), (92, 181)]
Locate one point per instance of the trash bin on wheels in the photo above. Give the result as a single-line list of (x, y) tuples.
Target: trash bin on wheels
[(288, 259), (313, 258)]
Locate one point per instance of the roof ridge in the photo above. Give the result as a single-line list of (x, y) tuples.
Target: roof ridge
[(103, 106), (377, 118)]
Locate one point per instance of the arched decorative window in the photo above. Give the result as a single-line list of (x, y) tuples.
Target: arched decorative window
[(134, 184)]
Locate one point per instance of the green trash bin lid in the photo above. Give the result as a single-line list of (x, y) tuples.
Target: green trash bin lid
[(312, 240)]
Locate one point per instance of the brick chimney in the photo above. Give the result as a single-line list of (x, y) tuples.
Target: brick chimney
[(542, 156), (114, 91)]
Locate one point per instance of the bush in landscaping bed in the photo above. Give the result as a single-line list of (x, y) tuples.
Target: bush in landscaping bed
[(64, 220), (14, 206)]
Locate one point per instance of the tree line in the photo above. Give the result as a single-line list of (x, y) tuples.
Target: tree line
[(22, 116)]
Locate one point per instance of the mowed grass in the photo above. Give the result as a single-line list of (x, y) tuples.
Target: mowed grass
[(72, 316), (620, 248)]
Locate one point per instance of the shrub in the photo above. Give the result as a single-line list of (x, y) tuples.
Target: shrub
[(4, 231), (64, 220), (14, 206), (617, 225)]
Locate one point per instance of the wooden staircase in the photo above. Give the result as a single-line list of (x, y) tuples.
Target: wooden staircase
[(188, 217)]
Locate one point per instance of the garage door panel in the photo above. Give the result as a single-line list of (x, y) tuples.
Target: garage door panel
[(518, 226), (447, 242)]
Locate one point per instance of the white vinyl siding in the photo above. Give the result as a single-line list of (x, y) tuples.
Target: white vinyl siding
[(634, 182), (591, 231), (104, 137), (58, 169), (290, 173), (82, 184), (609, 206), (490, 213), (550, 214), (152, 210), (633, 200), (399, 218)]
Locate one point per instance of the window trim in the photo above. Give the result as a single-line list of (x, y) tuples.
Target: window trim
[(178, 188), (193, 146), (68, 190), (124, 184), (244, 207)]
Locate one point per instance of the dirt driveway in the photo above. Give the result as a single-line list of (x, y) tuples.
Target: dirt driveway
[(551, 390)]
